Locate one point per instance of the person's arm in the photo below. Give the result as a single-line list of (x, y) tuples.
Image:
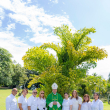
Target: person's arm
[(29, 103), (8, 101), (79, 108), (49, 102), (89, 105), (101, 105), (79, 102), (59, 103), (20, 100), (70, 107), (29, 107), (20, 106)]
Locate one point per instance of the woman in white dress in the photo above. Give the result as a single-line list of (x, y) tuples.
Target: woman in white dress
[(86, 105), (41, 101), (66, 102), (22, 101), (97, 104), (76, 101)]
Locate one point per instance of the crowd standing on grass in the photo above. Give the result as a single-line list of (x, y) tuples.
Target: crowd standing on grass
[(54, 101)]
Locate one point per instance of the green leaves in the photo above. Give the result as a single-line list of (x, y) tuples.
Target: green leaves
[(5, 67), (75, 57), (38, 59)]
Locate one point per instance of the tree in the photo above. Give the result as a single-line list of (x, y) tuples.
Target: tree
[(6, 70), (75, 55), (19, 77), (91, 84)]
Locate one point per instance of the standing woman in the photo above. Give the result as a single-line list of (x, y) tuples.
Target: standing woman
[(97, 104), (86, 105), (76, 101), (41, 101), (22, 101), (66, 102)]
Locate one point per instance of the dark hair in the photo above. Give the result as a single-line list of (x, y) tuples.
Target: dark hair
[(76, 95), (87, 96), (96, 94), (65, 93)]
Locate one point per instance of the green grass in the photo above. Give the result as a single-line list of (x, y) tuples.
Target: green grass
[(6, 92)]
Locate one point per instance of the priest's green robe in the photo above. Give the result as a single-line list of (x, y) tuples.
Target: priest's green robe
[(51, 98)]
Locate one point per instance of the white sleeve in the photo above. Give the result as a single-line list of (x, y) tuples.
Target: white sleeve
[(101, 105), (79, 100), (29, 101), (89, 105), (20, 100), (71, 102), (8, 101), (51, 105), (58, 104)]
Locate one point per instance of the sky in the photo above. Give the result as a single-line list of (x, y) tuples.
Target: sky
[(28, 23)]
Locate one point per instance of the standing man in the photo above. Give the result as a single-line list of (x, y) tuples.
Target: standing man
[(54, 100), (11, 102), (32, 101)]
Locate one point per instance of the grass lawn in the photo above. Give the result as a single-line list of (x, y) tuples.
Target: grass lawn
[(6, 92)]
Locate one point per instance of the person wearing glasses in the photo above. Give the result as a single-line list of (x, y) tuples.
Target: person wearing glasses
[(54, 100), (41, 101), (97, 104), (66, 102), (86, 105), (32, 101), (11, 102), (22, 101)]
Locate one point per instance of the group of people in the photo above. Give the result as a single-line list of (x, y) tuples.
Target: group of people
[(54, 101)]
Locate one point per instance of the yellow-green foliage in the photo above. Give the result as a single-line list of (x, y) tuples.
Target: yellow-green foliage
[(73, 52)]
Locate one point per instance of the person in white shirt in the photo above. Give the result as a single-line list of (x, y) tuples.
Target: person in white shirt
[(41, 101), (97, 104), (66, 102), (32, 101), (22, 101), (76, 101), (86, 105), (11, 102)]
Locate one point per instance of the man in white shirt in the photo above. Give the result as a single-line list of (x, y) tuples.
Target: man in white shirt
[(32, 101), (11, 102)]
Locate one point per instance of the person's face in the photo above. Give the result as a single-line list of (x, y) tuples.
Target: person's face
[(54, 91), (24, 92), (42, 94), (74, 93), (34, 93), (66, 96), (86, 98), (96, 96), (14, 92)]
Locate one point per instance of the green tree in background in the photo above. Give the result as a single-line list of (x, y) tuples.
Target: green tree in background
[(19, 77), (75, 57), (6, 70)]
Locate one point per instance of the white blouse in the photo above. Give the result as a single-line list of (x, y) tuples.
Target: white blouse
[(23, 101), (75, 103), (11, 103), (66, 104), (86, 106), (97, 105), (32, 102), (41, 103)]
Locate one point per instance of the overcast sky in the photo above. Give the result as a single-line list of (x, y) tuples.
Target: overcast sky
[(28, 23)]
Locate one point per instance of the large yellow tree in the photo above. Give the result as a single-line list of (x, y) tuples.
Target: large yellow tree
[(74, 58)]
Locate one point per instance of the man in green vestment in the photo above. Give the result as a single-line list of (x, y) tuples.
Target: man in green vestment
[(54, 100)]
